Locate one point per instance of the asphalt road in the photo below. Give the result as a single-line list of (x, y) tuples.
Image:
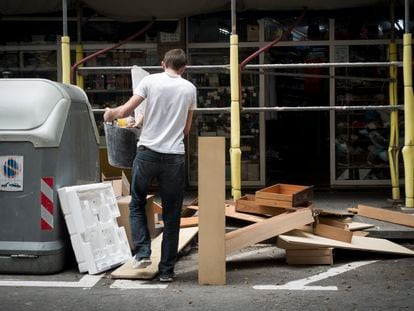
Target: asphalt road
[(257, 279)]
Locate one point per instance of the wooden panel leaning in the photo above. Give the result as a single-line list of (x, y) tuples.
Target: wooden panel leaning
[(211, 198), (268, 228)]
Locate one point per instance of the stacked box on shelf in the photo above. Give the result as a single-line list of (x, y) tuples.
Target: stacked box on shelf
[(90, 213), (285, 195)]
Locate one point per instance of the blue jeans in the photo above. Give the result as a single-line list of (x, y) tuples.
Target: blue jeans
[(169, 170)]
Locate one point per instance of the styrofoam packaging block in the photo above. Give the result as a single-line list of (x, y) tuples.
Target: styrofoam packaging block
[(90, 213), (89, 204)]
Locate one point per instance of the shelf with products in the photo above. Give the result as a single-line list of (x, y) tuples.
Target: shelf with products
[(27, 63), (362, 137), (213, 90)]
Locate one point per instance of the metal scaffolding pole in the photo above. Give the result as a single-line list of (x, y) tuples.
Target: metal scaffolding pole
[(85, 70)]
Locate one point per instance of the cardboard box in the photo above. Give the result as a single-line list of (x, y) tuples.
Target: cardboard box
[(123, 219), (252, 32), (285, 195)]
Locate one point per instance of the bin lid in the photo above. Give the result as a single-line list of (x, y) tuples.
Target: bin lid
[(36, 110)]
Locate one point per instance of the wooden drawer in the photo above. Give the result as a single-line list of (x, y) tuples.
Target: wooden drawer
[(248, 204), (285, 195)]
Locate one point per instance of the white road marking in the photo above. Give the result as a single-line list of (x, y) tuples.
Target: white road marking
[(302, 283), (232, 257), (87, 281), (128, 284)]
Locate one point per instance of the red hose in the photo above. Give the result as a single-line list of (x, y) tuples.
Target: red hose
[(269, 45), (89, 57)]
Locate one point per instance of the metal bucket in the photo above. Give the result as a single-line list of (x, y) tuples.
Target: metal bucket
[(121, 145)]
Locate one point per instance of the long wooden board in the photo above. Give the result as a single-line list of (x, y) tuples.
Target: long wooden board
[(266, 229), (394, 217), (127, 272), (299, 240), (212, 222), (230, 211)]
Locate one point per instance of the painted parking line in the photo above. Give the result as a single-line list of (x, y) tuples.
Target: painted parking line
[(302, 284), (87, 281), (129, 284), (232, 257)]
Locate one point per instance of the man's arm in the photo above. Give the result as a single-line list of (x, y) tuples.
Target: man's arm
[(123, 111), (188, 122)]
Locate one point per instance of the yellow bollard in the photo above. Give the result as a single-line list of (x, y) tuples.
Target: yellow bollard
[(65, 45), (393, 149), (235, 152), (408, 149)]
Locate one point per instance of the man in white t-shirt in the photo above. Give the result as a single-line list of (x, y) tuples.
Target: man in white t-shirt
[(167, 119)]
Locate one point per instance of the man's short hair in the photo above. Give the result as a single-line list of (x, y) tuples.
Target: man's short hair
[(175, 59)]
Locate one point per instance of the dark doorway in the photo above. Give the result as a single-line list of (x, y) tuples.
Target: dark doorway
[(297, 142)]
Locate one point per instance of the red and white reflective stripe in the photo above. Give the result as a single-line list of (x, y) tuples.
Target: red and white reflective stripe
[(46, 200)]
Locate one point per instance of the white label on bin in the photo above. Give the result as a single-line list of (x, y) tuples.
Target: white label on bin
[(11, 175)]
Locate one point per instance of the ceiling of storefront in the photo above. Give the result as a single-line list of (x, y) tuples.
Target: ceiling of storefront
[(162, 9)]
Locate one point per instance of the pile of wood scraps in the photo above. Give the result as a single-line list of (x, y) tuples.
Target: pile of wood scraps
[(285, 212), (311, 243)]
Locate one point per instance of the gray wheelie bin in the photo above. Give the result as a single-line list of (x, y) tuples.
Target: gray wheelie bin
[(48, 140)]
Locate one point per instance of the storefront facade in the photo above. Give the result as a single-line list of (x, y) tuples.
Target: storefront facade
[(325, 148)]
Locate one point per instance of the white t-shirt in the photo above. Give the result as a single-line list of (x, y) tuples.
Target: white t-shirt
[(169, 98)]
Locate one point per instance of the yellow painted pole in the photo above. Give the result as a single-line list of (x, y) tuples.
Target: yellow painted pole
[(393, 149), (235, 152), (408, 149), (79, 57), (65, 45)]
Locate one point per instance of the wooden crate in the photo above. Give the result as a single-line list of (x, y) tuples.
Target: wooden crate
[(249, 204), (284, 195)]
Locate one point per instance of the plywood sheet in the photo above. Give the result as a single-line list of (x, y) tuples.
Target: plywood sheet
[(127, 272), (212, 222), (299, 239)]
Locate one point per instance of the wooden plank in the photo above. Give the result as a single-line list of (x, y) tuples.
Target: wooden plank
[(332, 212), (316, 256), (299, 239), (392, 216), (186, 222), (211, 192), (189, 222), (266, 229), (322, 260), (333, 233), (123, 219), (187, 212), (127, 272), (157, 207), (248, 204), (332, 222), (313, 252), (230, 211), (353, 226), (126, 186), (361, 233)]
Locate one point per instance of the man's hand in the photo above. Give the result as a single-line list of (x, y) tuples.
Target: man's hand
[(108, 115)]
